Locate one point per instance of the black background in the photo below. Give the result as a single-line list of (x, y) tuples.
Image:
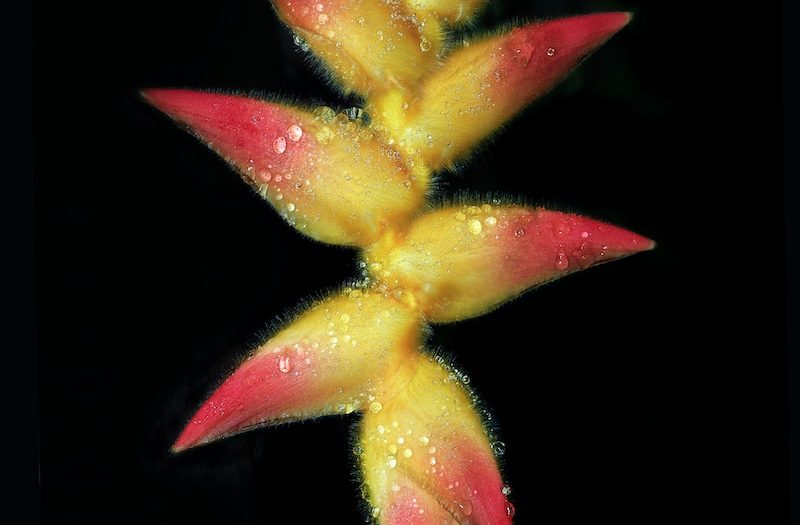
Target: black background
[(651, 390)]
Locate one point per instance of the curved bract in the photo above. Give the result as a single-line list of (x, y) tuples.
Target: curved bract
[(425, 454)]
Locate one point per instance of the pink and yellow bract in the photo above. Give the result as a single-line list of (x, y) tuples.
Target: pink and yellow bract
[(426, 457)]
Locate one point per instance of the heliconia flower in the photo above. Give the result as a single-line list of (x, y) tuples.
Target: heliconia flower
[(367, 45), (330, 360), (452, 12), (485, 83), (459, 262), (425, 455), (317, 169)]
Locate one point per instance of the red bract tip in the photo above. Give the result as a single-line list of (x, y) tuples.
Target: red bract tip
[(315, 168), (462, 261), (328, 361), (482, 85)]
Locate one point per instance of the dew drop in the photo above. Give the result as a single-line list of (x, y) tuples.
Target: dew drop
[(423, 440), (299, 42), (291, 207), (322, 19), (490, 221), (563, 229), (279, 145), (465, 507), (265, 176), (320, 7), (295, 133), (499, 448), (506, 490), (562, 261), (375, 407), (510, 510), (424, 44), (376, 512), (407, 453), (392, 462), (551, 51), (474, 226), (519, 232), (285, 364), (278, 178), (432, 460)]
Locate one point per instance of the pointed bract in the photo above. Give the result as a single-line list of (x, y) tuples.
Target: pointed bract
[(459, 262), (484, 84), (319, 170), (331, 360), (345, 179), (425, 456), (368, 45)]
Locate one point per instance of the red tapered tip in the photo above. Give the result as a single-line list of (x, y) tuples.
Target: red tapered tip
[(563, 242), (539, 55)]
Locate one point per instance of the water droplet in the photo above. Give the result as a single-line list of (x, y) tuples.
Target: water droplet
[(401, 440), (562, 261), (506, 490), (519, 232), (523, 54), (376, 512), (510, 510), (562, 229), (375, 407), (551, 51), (285, 364), (392, 462), (432, 450), (299, 42), (465, 507), (354, 113), (345, 318), (474, 226), (432, 460), (290, 207), (320, 7), (295, 133), (265, 176), (584, 235), (322, 19), (423, 440), (424, 44), (407, 453), (278, 178), (279, 145), (490, 221), (499, 448), (460, 216)]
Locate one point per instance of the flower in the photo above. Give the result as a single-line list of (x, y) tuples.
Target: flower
[(425, 454)]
